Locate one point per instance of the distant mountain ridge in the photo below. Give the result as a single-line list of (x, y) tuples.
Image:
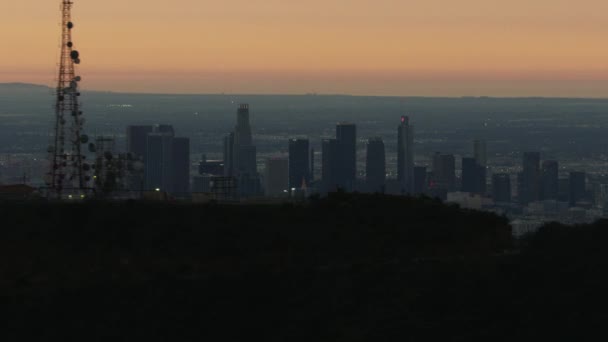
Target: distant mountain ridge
[(22, 86)]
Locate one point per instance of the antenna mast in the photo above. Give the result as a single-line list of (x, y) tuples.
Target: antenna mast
[(67, 168)]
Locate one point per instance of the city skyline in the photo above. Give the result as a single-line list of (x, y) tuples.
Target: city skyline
[(380, 48)]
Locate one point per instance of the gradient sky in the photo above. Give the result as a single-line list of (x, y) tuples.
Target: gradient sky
[(388, 47)]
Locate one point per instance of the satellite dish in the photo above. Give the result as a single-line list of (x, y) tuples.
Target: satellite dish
[(74, 54), (77, 61), (70, 44), (70, 25), (77, 78)]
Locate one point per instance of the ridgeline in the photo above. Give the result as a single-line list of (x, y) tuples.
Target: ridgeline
[(344, 268)]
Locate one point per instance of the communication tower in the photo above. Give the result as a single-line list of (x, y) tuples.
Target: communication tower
[(68, 172)]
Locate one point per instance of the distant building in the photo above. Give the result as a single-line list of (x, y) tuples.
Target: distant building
[(480, 153), (530, 186), (299, 163), (473, 176), (375, 166), (346, 137), (159, 162), (240, 155), (228, 155), (167, 162), (277, 177), (420, 180), (550, 180), (501, 187), (329, 165), (137, 139), (578, 187), (181, 166), (405, 155), (444, 171)]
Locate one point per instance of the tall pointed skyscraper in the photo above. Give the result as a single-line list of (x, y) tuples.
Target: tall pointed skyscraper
[(405, 155), (244, 152)]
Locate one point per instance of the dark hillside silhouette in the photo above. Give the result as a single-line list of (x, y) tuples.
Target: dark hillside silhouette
[(346, 268)]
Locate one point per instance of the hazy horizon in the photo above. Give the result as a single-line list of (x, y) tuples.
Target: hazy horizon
[(356, 47)]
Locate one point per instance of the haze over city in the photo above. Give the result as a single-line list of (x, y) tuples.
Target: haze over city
[(361, 47)]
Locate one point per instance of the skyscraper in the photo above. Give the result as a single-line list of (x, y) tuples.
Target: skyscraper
[(405, 155), (299, 163), (346, 136), (277, 177), (578, 187), (228, 155), (550, 180), (181, 166), (375, 165), (480, 154), (501, 187), (420, 180), (444, 171), (244, 152), (530, 186), (167, 161), (470, 175), (137, 137), (159, 162), (329, 165)]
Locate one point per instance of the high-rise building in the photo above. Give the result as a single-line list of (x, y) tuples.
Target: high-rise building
[(244, 152), (211, 167), (444, 172), (473, 176), (137, 139), (530, 187), (375, 165), (329, 165), (167, 161), (469, 175), (480, 153), (578, 187), (550, 180), (277, 177), (181, 166), (501, 187), (159, 162), (299, 163), (346, 137), (405, 155), (228, 155), (420, 180)]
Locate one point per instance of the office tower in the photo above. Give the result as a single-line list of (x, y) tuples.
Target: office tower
[(530, 185), (473, 176), (164, 129), (501, 187), (469, 175), (375, 165), (550, 180), (277, 177), (137, 138), (159, 162), (329, 165), (420, 180), (299, 163), (312, 164), (479, 150), (346, 136), (444, 171), (577, 187), (228, 155), (244, 152), (181, 166), (405, 155)]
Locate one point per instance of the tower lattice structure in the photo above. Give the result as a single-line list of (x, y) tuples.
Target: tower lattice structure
[(68, 171)]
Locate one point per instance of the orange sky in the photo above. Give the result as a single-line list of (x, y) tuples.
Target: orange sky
[(393, 47)]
